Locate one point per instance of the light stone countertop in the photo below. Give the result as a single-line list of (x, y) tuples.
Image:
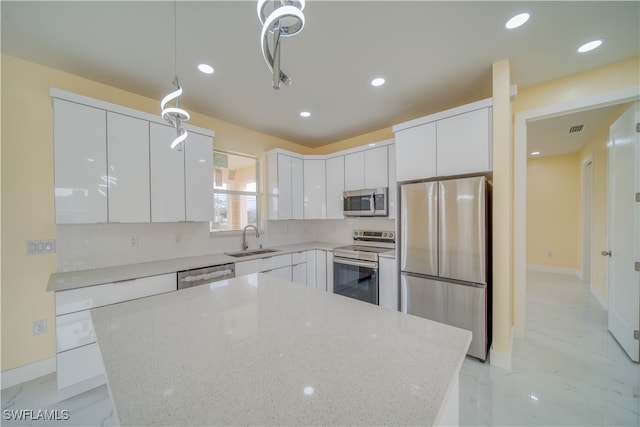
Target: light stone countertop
[(258, 350), (98, 276)]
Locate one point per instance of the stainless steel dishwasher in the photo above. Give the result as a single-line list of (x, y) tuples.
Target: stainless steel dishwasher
[(205, 276)]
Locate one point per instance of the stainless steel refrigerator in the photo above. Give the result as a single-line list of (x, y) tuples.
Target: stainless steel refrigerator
[(445, 265)]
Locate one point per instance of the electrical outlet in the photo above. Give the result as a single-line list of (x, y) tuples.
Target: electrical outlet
[(39, 327), (178, 238), (134, 241), (37, 247)]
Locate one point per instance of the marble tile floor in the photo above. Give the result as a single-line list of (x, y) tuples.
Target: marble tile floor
[(568, 371)]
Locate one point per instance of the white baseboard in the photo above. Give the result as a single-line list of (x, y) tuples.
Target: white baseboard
[(602, 299), (556, 270), (502, 359), (26, 373)]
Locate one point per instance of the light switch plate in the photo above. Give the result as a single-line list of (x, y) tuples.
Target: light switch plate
[(37, 247)]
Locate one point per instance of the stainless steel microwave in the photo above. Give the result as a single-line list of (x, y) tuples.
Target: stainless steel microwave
[(368, 202)]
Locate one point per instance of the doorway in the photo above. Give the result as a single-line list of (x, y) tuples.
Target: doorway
[(520, 183)]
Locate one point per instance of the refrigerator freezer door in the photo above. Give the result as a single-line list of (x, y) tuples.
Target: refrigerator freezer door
[(419, 228), (457, 305), (462, 234)]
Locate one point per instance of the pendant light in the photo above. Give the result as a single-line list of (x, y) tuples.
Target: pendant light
[(173, 114), (282, 18)]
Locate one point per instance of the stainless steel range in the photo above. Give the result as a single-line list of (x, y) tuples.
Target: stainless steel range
[(355, 267)]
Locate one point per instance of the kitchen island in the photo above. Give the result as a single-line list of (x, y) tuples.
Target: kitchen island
[(261, 350)]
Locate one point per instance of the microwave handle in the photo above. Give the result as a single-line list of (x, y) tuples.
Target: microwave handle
[(372, 203)]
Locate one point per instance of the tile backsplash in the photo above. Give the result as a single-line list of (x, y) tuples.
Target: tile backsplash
[(81, 247)]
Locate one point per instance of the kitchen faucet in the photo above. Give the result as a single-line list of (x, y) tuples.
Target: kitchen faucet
[(245, 245)]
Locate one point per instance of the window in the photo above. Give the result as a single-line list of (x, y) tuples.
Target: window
[(235, 191)]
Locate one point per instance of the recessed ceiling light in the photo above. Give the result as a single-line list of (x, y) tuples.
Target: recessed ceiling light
[(589, 46), (378, 81), (305, 114), (535, 153), (517, 21), (372, 144), (205, 68)]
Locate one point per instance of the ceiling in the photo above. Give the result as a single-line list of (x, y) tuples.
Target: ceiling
[(433, 55)]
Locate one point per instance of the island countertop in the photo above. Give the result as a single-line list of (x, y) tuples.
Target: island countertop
[(257, 350)]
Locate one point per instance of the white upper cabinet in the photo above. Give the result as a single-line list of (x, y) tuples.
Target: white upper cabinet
[(198, 171), (464, 143), (128, 171), (167, 176), (297, 188), (354, 171), (376, 168), (335, 187), (416, 152), (315, 192), (285, 186), (453, 142), (115, 164), (80, 163)]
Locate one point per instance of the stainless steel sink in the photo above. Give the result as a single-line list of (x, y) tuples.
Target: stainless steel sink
[(251, 252)]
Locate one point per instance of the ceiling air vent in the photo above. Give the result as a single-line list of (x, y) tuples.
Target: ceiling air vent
[(575, 129)]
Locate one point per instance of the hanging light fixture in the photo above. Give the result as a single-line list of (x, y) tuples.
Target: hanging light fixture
[(174, 115), (282, 18)]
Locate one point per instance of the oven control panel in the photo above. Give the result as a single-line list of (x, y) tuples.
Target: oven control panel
[(374, 236)]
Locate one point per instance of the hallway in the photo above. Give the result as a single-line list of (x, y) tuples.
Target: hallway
[(567, 371)]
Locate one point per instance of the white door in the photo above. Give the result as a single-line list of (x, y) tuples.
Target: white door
[(624, 229)]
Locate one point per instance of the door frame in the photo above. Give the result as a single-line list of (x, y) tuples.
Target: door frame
[(629, 94), (586, 270)]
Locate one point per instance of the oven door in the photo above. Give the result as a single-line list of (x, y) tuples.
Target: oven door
[(356, 279)]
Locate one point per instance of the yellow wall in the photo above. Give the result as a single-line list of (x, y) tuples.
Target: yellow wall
[(597, 148), (612, 77), (554, 211), (27, 192), (502, 209)]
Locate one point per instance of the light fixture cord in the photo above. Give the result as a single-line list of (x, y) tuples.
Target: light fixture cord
[(175, 39)]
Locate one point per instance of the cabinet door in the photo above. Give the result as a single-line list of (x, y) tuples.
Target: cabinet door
[(271, 163), (311, 268), (128, 171), (321, 270), (79, 135), (167, 176), (416, 153), (393, 190), (284, 187), (299, 273), (464, 144), (354, 171), (247, 267), (297, 188), (388, 283), (315, 194), (335, 187), (376, 168), (198, 170), (328, 270), (282, 273)]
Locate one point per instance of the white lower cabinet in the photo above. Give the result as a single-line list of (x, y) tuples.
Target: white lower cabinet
[(388, 287), (329, 270), (321, 270), (307, 268), (299, 267), (282, 273), (79, 364)]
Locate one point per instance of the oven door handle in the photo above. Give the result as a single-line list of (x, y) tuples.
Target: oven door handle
[(373, 265)]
